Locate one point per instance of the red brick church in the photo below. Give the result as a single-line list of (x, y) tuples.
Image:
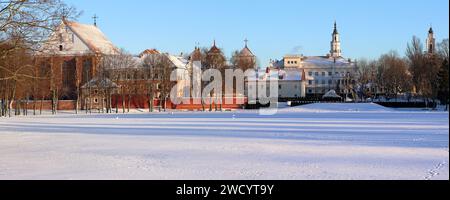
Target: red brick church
[(71, 56)]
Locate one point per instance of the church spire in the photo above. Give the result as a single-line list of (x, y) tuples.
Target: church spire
[(335, 28), (335, 43)]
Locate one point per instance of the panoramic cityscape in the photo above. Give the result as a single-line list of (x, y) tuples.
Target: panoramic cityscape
[(82, 96)]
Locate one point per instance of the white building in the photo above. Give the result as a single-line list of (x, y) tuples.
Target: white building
[(321, 73)]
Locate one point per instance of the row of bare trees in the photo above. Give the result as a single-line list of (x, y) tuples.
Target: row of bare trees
[(24, 26), (419, 73)]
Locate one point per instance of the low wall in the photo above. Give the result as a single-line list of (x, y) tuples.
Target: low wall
[(47, 105), (136, 102)]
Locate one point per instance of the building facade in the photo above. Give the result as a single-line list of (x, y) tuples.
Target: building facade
[(70, 57), (320, 73)]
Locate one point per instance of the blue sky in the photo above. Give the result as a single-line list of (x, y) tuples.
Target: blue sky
[(273, 28)]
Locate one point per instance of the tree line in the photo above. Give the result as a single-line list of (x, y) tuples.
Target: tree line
[(418, 73), (24, 26)]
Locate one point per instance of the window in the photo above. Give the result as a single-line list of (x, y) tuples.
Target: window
[(279, 87), (330, 82), (310, 73), (323, 74), (86, 74), (95, 91), (310, 82), (95, 100), (310, 91), (323, 82), (317, 82), (317, 74), (330, 73), (61, 48)]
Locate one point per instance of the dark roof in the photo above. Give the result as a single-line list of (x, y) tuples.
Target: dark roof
[(214, 49), (246, 52), (196, 55)]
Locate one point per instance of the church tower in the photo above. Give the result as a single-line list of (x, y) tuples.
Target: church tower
[(431, 42), (336, 43)]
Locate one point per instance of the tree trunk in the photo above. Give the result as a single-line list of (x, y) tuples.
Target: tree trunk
[(129, 103), (165, 104), (34, 105), (78, 101), (117, 105), (41, 106)]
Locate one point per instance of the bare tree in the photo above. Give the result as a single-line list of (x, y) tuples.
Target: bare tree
[(416, 58), (424, 69), (395, 74), (15, 76), (116, 67), (24, 26), (150, 68), (367, 77), (164, 69), (443, 49)]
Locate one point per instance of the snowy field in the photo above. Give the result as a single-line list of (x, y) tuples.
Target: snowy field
[(319, 141)]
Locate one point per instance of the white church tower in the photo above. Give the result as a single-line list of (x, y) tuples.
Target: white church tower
[(431, 42), (336, 43)]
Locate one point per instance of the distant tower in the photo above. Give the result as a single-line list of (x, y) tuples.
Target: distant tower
[(336, 43), (431, 42)]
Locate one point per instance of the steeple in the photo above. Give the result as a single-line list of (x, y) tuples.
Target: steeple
[(214, 49), (335, 43), (95, 17), (431, 41), (335, 28)]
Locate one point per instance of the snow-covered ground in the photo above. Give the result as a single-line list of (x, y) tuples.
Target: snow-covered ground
[(319, 141)]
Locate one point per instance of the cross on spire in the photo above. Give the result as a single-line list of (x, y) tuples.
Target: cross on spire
[(246, 41), (95, 17)]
